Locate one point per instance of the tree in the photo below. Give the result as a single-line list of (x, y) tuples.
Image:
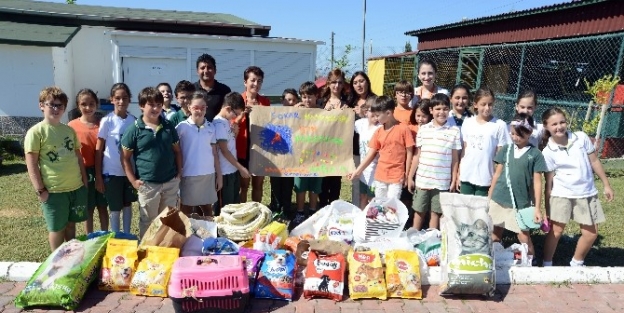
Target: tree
[(70, 1), (408, 47), (343, 62)]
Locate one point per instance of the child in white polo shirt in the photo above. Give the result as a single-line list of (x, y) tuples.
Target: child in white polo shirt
[(200, 162), (435, 162), (570, 190)]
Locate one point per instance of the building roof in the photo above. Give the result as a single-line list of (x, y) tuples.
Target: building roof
[(396, 55), (505, 16), (36, 35), (128, 18)]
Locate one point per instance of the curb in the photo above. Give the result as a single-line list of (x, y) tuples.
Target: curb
[(505, 275)]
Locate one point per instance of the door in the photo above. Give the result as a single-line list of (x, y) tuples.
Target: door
[(139, 73)]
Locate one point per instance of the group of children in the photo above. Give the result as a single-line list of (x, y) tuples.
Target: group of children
[(424, 141)]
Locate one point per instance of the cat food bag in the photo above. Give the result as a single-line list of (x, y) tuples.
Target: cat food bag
[(152, 274), (467, 264), (339, 228), (63, 278), (324, 276), (276, 277), (274, 231), (118, 265), (252, 259), (403, 274), (366, 275)]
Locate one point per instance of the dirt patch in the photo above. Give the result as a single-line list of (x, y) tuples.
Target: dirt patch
[(13, 213)]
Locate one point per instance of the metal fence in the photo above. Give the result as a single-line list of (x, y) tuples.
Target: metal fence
[(554, 69)]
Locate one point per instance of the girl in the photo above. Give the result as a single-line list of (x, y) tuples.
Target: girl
[(290, 97), (460, 99), (360, 91), (427, 74), (525, 163), (421, 114), (483, 135), (87, 126), (365, 128), (526, 103), (168, 108), (570, 191), (334, 99), (110, 177)]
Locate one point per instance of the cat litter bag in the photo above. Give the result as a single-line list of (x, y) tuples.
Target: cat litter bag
[(63, 278), (467, 264)]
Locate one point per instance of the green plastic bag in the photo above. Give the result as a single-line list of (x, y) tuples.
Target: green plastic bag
[(64, 277)]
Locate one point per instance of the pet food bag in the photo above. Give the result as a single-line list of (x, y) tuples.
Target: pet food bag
[(366, 275), (325, 276), (274, 231), (276, 277), (292, 242), (428, 242), (467, 265), (152, 274), (118, 265), (63, 278), (301, 257), (380, 218), (219, 246), (403, 274), (252, 259)]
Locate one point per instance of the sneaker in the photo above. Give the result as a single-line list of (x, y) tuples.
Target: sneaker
[(299, 218)]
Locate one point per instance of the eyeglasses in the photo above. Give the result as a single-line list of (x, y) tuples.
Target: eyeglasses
[(403, 93), (54, 106)]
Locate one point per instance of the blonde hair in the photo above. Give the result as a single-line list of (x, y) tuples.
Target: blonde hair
[(53, 92)]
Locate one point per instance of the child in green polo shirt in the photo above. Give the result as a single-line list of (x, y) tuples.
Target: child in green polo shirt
[(153, 143), (183, 92), (56, 170)]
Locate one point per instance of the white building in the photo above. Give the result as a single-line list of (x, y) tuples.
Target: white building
[(80, 46)]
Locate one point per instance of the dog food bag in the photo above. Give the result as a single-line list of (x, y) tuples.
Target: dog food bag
[(292, 242), (366, 275), (276, 277), (301, 255), (152, 274), (63, 278), (118, 265), (467, 264), (403, 274), (325, 276), (252, 259)]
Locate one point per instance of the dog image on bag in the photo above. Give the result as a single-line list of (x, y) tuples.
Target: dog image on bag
[(276, 276), (403, 274), (324, 276), (118, 265), (65, 259), (366, 275), (152, 274)]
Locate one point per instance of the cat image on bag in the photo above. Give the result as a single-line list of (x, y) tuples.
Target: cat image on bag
[(66, 259), (474, 238)]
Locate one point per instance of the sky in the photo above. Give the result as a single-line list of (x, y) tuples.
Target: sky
[(386, 20)]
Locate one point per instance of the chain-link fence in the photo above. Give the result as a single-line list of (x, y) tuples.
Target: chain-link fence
[(554, 69)]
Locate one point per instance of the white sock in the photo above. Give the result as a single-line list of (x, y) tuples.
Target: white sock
[(576, 263), (127, 219), (114, 220), (547, 263)]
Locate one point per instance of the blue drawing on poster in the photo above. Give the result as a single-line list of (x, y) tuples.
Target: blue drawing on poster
[(276, 139)]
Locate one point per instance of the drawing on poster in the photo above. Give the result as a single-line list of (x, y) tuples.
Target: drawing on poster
[(276, 139)]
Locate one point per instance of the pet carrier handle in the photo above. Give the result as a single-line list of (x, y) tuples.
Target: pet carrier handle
[(207, 261)]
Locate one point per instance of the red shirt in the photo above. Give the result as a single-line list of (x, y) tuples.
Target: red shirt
[(242, 139)]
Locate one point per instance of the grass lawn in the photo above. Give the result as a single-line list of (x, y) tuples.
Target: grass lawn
[(24, 236)]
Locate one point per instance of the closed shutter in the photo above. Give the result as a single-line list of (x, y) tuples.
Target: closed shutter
[(283, 70), (152, 52), (230, 65)]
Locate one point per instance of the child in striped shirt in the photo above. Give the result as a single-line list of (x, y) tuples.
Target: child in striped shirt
[(435, 162)]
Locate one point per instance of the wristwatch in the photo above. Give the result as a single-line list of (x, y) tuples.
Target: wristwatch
[(40, 191)]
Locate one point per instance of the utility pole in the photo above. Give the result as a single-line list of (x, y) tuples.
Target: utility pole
[(364, 37), (332, 50)]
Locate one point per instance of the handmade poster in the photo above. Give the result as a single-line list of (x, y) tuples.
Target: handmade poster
[(289, 142)]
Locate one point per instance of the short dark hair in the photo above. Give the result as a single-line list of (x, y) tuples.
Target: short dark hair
[(200, 94), (308, 88), (383, 103), (150, 94), (253, 69), (291, 91), (164, 84), (234, 100), (440, 98), (424, 105), (404, 86), (184, 85), (206, 58)]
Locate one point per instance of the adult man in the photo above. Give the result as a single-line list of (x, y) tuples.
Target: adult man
[(206, 70)]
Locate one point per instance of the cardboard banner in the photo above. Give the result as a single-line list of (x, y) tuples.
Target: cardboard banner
[(291, 142)]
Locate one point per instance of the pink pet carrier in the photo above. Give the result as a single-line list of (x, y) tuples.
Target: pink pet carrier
[(215, 283)]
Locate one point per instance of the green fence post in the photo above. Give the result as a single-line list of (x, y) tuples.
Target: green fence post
[(520, 70), (616, 72), (480, 69), (459, 67), (416, 62)]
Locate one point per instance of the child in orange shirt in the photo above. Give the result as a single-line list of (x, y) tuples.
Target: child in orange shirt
[(394, 143), (86, 128), (403, 94)]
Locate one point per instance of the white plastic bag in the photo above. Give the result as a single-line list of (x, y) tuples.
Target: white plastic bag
[(203, 228), (317, 224), (428, 242), (389, 225), (506, 257)]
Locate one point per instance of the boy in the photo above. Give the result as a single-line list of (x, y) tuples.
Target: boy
[(233, 106), (56, 170), (206, 67), (366, 127), (311, 185), (153, 143), (253, 78), (282, 187), (435, 163), (183, 92), (403, 93), (394, 143), (199, 185)]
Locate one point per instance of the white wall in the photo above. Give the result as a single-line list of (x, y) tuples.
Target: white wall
[(92, 55), (25, 71)]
